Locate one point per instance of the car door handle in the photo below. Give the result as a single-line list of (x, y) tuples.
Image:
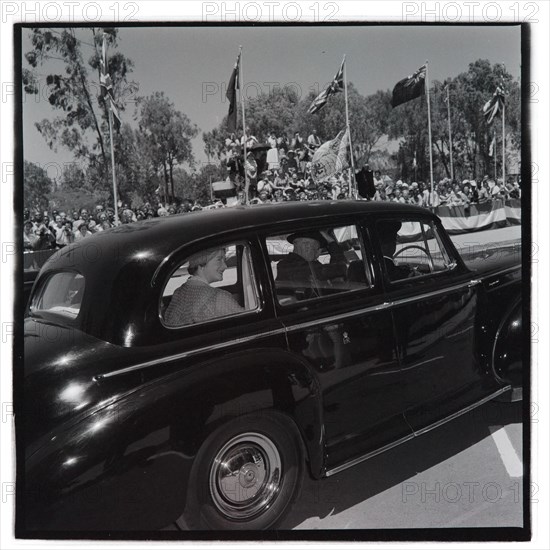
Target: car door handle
[(474, 282)]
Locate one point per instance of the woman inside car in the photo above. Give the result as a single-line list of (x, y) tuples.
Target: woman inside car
[(196, 300)]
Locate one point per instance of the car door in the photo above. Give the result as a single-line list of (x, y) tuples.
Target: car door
[(434, 304), (345, 334)]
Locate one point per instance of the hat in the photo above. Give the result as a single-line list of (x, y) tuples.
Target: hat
[(473, 183), (291, 151), (414, 184), (202, 258), (399, 183), (315, 235), (389, 227)]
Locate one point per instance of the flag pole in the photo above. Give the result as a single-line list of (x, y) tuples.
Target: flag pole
[(503, 145), (110, 117), (495, 152), (115, 194), (246, 182), (351, 187), (427, 84), (450, 135)]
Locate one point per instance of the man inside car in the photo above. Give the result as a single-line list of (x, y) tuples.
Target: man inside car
[(302, 267), (387, 231)]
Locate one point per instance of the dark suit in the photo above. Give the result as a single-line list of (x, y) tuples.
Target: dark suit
[(295, 269)]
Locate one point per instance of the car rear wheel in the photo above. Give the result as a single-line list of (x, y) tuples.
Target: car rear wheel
[(246, 474)]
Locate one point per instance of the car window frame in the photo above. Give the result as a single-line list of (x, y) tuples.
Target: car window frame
[(320, 225), (401, 217), (179, 258), (48, 314)]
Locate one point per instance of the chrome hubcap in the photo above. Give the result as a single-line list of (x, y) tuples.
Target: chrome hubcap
[(245, 476)]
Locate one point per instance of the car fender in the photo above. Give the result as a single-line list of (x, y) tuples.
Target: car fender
[(150, 436), (507, 347)]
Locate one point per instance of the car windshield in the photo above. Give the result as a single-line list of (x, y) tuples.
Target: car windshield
[(61, 293)]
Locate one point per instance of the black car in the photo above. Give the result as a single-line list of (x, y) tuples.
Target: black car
[(194, 368)]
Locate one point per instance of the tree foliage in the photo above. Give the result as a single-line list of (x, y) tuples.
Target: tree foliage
[(166, 135), (81, 126), (36, 186)]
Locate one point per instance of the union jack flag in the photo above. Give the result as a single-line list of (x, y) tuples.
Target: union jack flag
[(106, 84), (334, 87), (494, 105)]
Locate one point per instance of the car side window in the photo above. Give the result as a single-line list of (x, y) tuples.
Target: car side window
[(210, 284), (308, 264), (412, 248), (61, 294)]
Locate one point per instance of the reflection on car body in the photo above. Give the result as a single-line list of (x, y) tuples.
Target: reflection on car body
[(132, 423)]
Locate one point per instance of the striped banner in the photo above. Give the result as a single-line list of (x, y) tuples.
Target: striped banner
[(480, 217)]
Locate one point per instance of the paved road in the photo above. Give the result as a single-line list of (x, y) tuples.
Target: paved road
[(467, 473)]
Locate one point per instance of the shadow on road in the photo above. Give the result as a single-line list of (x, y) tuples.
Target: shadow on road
[(333, 495)]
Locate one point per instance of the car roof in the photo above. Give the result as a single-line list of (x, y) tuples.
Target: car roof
[(167, 234), (120, 265)]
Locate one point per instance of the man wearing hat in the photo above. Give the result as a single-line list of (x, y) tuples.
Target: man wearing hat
[(387, 234), (302, 266)]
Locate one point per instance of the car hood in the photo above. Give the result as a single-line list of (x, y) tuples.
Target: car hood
[(490, 258), (60, 366)]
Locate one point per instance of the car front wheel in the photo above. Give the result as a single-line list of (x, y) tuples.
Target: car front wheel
[(246, 474)]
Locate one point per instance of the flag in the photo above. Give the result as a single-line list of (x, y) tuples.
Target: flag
[(414, 160), (106, 84), (409, 88), (331, 157), (231, 94), (494, 105), (334, 87), (492, 147)]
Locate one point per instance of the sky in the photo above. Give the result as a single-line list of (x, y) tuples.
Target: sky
[(192, 65)]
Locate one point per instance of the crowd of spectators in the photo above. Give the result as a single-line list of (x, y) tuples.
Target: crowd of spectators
[(286, 177)]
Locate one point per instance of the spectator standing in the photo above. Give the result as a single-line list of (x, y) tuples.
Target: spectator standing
[(30, 239), (273, 153), (82, 232), (313, 141)]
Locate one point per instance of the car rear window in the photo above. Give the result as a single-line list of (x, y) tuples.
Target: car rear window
[(61, 294)]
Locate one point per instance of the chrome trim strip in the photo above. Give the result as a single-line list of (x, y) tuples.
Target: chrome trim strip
[(183, 355), (463, 411), (503, 272), (455, 334), (360, 459), (339, 316), (380, 307), (437, 424), (430, 294), (439, 357)]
